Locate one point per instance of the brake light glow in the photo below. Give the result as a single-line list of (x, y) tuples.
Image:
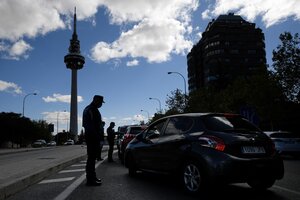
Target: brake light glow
[(212, 142)]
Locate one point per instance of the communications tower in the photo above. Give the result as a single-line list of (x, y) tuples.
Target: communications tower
[(74, 61)]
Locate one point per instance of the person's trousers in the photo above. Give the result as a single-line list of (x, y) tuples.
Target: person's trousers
[(110, 151), (90, 168)]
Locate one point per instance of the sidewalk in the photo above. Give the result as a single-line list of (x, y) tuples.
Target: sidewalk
[(23, 167)]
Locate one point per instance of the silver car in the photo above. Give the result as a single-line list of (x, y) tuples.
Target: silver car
[(285, 142)]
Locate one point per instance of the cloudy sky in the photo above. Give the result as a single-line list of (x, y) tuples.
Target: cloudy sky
[(129, 46)]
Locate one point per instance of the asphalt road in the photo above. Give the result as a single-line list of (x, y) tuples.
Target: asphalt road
[(69, 183)]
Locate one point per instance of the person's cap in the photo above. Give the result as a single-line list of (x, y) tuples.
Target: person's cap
[(99, 98)]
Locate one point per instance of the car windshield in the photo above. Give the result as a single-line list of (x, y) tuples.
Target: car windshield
[(228, 123)]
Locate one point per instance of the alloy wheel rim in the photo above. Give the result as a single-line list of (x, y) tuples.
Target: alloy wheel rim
[(192, 177)]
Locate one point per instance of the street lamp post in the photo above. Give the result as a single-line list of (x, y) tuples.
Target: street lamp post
[(24, 101), (183, 81), (158, 102), (57, 122), (147, 113)]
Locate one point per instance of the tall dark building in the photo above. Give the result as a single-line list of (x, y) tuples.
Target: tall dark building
[(230, 47)]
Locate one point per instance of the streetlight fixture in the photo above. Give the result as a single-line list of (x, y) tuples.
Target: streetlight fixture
[(147, 113), (24, 101), (183, 81), (158, 102)]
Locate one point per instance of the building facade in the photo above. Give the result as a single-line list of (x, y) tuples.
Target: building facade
[(230, 47)]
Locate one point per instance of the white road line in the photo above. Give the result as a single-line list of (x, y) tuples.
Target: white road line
[(56, 180), (287, 190), (78, 165), (71, 170), (74, 185)]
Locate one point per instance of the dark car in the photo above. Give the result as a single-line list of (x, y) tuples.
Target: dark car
[(120, 135), (205, 150), (131, 132)]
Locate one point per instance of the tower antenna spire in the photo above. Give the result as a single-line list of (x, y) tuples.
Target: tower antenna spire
[(75, 20), (74, 23)]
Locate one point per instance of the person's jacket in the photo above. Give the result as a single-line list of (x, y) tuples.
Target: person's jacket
[(110, 134), (92, 123)]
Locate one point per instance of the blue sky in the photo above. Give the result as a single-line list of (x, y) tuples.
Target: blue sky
[(129, 46)]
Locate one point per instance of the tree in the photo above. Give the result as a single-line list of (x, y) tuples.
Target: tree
[(21, 130), (176, 102), (286, 63)]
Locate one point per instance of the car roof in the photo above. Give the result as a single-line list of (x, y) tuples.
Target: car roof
[(202, 114)]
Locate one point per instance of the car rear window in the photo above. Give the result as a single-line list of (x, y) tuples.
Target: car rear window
[(228, 123)]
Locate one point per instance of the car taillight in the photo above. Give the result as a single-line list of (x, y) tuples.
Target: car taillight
[(212, 142), (273, 147), (128, 136)]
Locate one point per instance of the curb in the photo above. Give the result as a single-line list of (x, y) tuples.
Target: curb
[(18, 185)]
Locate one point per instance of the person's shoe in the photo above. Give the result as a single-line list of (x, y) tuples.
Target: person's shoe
[(93, 183), (98, 179)]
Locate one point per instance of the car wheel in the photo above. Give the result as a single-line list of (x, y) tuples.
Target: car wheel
[(261, 183), (193, 180), (131, 165)]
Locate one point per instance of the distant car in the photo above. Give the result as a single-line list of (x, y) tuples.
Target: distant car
[(131, 132), (51, 143), (206, 149), (69, 142), (285, 142), (39, 143)]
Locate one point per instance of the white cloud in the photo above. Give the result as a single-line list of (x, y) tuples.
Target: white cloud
[(161, 28), (30, 18), (10, 87), (60, 98), (272, 12), (52, 117), (132, 63), (157, 29), (20, 48)]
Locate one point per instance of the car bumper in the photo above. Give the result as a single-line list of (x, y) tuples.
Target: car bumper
[(229, 168)]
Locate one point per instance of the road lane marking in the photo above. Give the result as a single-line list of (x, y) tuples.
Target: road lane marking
[(57, 180), (287, 190), (75, 184), (71, 170), (78, 165)]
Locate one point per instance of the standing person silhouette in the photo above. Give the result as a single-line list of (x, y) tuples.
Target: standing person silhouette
[(111, 140), (99, 158), (92, 123)]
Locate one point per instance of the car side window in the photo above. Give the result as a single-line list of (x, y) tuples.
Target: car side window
[(155, 130), (178, 125)]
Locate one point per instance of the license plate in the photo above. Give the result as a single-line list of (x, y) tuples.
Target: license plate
[(253, 150)]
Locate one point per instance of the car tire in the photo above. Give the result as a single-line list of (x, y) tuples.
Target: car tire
[(192, 177), (261, 183), (131, 165)]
